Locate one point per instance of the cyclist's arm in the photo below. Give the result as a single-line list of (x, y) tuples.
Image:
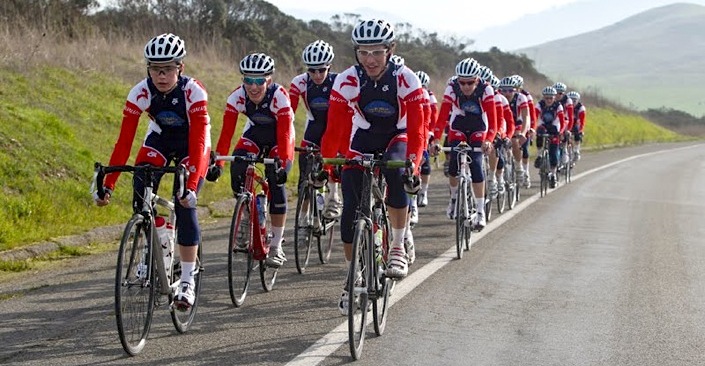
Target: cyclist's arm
[(298, 85), (285, 126), (337, 133), (581, 118), (415, 131), (508, 120), (442, 119), (198, 135), (488, 105)]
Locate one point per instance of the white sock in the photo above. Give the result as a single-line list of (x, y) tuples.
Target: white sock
[(424, 188), (332, 189), (187, 269), (453, 191), (398, 237), (277, 234), (480, 204)]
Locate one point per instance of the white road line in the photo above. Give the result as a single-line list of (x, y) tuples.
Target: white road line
[(337, 337)]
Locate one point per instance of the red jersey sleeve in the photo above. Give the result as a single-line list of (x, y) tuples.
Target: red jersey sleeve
[(198, 132), (226, 134), (336, 138), (442, 119), (121, 152), (509, 120)]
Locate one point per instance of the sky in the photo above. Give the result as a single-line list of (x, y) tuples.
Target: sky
[(507, 24)]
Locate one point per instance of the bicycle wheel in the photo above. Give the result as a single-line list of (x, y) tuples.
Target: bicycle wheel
[(544, 173), (569, 165), (134, 293), (460, 216), (182, 319), (268, 275), (502, 197), (382, 284), (325, 240), (239, 255), (303, 228), (511, 186), (357, 290)]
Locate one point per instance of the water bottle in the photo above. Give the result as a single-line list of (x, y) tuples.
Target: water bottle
[(378, 238), (165, 232), (261, 201), (320, 200), (142, 265)]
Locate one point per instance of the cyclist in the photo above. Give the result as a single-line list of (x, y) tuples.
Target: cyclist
[(269, 129), (505, 130), (387, 102), (178, 131), (566, 102), (430, 112), (314, 86), (469, 105), (531, 128), (519, 107), (578, 122), (552, 123)]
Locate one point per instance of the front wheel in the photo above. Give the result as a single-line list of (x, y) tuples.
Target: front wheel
[(461, 216), (382, 284), (325, 240), (303, 228), (239, 254), (268, 275), (182, 319), (134, 292), (357, 290)]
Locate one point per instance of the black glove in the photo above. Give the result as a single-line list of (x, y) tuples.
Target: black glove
[(320, 179), (507, 142), (281, 176), (412, 184), (214, 172)]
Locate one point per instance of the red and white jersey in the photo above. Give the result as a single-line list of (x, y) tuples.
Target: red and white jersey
[(553, 115), (451, 106), (580, 115), (276, 102), (505, 118), (139, 100), (298, 89)]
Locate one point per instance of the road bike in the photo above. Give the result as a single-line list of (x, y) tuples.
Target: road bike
[(465, 206), (366, 281), (309, 222), (248, 242), (145, 274)]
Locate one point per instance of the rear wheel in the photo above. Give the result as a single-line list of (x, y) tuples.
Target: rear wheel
[(325, 240), (357, 290), (544, 173), (239, 255), (182, 319), (134, 292), (303, 228), (510, 181), (383, 284), (461, 211)]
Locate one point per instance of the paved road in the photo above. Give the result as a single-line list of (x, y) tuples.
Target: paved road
[(606, 270)]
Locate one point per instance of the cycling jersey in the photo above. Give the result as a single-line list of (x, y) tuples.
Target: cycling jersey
[(477, 110), (551, 117), (567, 104), (179, 116), (316, 100), (505, 119), (272, 119), (532, 107), (519, 103), (579, 117)]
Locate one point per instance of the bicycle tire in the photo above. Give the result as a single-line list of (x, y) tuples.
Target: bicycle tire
[(510, 179), (183, 319), (134, 293), (302, 243), (569, 165), (460, 210), (544, 173), (268, 275), (502, 198), (239, 254), (325, 241), (357, 304), (380, 305)]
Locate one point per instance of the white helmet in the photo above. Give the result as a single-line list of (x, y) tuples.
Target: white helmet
[(494, 82), (560, 87), (519, 80), (575, 96), (318, 53), (467, 68), (373, 32), (257, 64), (397, 60), (485, 73), (508, 82), (165, 47), (549, 90), (425, 80)]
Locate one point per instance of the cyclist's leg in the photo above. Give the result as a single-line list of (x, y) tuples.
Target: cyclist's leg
[(397, 207), (277, 212), (425, 171)]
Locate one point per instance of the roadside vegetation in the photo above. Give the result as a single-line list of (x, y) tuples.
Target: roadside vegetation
[(64, 76)]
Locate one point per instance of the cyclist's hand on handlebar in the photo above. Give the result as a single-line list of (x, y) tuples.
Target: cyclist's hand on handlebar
[(412, 183), (189, 199), (281, 176), (214, 172), (487, 146), (102, 201)]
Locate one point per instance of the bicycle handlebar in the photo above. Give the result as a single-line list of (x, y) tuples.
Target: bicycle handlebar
[(369, 162), (100, 170), (248, 159), (462, 148), (307, 149)]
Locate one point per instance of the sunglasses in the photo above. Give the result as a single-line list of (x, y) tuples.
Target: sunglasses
[(254, 81), (506, 90), (466, 83), (162, 69), (321, 70), (373, 53)]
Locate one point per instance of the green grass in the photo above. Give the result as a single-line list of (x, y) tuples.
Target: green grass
[(54, 123)]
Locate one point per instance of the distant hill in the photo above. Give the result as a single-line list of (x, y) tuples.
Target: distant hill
[(649, 60)]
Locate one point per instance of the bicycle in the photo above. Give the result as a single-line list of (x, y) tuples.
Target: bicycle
[(509, 194), (371, 241), (465, 205), (488, 194), (566, 161), (309, 222), (544, 168), (143, 272), (248, 243)]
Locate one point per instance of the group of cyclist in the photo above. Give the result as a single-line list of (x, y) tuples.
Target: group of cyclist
[(378, 105)]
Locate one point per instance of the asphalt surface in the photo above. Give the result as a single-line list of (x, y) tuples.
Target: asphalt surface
[(606, 270)]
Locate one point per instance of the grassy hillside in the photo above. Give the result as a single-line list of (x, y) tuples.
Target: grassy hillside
[(649, 60)]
